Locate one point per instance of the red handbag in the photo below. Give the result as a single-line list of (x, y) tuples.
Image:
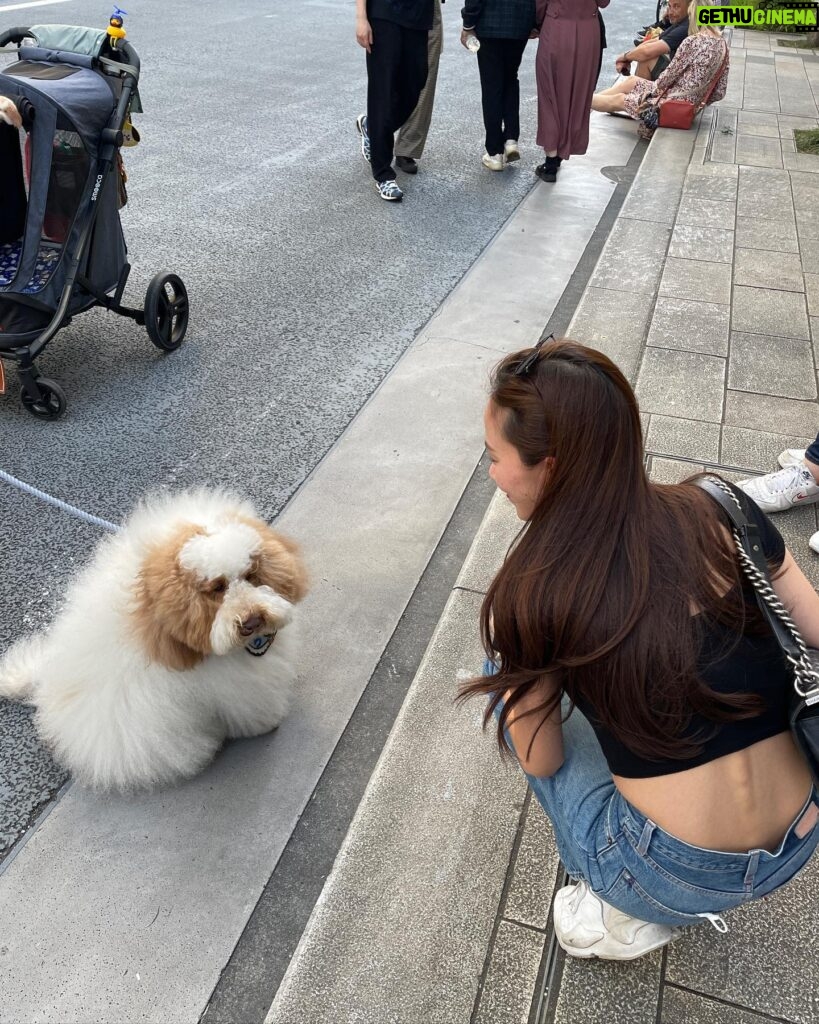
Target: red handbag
[(681, 113), (677, 114)]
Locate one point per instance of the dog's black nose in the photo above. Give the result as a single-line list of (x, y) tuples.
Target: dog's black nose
[(250, 625)]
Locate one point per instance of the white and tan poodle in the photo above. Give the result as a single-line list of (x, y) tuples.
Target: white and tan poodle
[(177, 636)]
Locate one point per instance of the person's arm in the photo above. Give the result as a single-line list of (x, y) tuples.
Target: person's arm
[(787, 579), (470, 12), (540, 12), (649, 50), (679, 63), (603, 3), (721, 87), (539, 750), (363, 30), (796, 592)]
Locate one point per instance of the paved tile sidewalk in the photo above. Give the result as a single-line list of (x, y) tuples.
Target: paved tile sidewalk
[(707, 295)]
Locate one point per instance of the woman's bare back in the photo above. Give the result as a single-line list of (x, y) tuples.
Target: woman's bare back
[(742, 801)]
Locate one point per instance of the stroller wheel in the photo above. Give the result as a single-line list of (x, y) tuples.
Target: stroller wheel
[(52, 403), (166, 311)]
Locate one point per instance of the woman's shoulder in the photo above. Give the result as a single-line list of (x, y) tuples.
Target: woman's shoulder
[(702, 41), (773, 544)]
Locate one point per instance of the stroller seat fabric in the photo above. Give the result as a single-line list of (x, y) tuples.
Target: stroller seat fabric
[(47, 259)]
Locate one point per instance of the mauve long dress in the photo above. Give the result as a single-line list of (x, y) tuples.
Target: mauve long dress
[(568, 58)]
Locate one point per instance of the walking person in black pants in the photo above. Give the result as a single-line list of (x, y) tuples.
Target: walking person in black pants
[(395, 34), (502, 28)]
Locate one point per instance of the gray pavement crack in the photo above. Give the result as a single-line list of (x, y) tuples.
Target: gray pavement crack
[(727, 1002)]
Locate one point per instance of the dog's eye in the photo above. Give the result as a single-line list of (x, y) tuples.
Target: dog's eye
[(252, 577), (218, 587)]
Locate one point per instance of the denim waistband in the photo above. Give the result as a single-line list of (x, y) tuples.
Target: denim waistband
[(644, 833)]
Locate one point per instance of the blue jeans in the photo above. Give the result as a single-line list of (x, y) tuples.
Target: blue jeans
[(631, 863), (812, 453)]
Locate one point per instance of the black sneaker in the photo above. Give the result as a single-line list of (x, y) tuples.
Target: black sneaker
[(390, 191), (407, 164)]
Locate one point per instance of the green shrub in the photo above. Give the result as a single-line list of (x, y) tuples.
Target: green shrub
[(807, 140)]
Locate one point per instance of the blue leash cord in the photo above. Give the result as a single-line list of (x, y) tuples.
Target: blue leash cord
[(62, 505)]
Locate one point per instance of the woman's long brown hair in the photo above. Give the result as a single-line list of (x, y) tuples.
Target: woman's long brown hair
[(598, 589)]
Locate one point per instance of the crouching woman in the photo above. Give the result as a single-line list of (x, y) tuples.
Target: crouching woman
[(630, 670)]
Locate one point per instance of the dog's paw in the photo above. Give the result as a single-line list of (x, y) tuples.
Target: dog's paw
[(9, 114)]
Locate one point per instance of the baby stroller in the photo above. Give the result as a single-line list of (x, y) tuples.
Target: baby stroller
[(62, 249)]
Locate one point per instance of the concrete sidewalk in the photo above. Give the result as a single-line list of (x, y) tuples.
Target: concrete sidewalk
[(438, 907)]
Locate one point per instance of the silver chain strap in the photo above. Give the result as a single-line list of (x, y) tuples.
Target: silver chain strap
[(806, 677)]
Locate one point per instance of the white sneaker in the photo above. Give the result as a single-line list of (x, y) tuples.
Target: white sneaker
[(791, 457), (493, 163), (511, 151), (776, 492), (813, 543), (585, 926)]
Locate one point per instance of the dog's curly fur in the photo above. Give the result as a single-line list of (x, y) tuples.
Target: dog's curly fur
[(148, 669)]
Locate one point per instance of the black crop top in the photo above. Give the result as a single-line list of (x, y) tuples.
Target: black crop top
[(755, 665)]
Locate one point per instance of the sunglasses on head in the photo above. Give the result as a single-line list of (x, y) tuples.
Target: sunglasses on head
[(529, 361)]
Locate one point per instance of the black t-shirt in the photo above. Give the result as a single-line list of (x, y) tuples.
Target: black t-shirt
[(407, 13), (753, 665), (673, 36)]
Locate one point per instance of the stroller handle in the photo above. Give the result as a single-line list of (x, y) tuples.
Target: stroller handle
[(130, 54), (13, 35)]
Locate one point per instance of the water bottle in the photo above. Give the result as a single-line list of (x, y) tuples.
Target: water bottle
[(473, 44)]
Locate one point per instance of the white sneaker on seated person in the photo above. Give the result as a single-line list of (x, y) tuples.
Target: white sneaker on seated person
[(786, 488), (791, 457)]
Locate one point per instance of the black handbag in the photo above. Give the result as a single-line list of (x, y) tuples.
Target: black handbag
[(803, 708)]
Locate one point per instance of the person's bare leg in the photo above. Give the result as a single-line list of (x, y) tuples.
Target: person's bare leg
[(622, 85), (608, 104), (606, 92), (644, 69), (610, 101)]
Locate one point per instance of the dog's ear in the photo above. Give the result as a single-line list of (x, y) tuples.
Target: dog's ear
[(169, 616), (279, 563)]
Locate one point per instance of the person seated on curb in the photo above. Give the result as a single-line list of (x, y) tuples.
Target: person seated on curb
[(797, 483), (631, 672), (654, 55), (698, 61)]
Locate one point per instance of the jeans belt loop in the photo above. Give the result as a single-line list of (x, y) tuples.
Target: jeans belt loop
[(645, 837), (750, 874)]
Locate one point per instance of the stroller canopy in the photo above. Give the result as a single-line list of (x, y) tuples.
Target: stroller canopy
[(66, 103), (82, 96)]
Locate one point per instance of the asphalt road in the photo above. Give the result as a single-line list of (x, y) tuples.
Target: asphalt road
[(305, 287)]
